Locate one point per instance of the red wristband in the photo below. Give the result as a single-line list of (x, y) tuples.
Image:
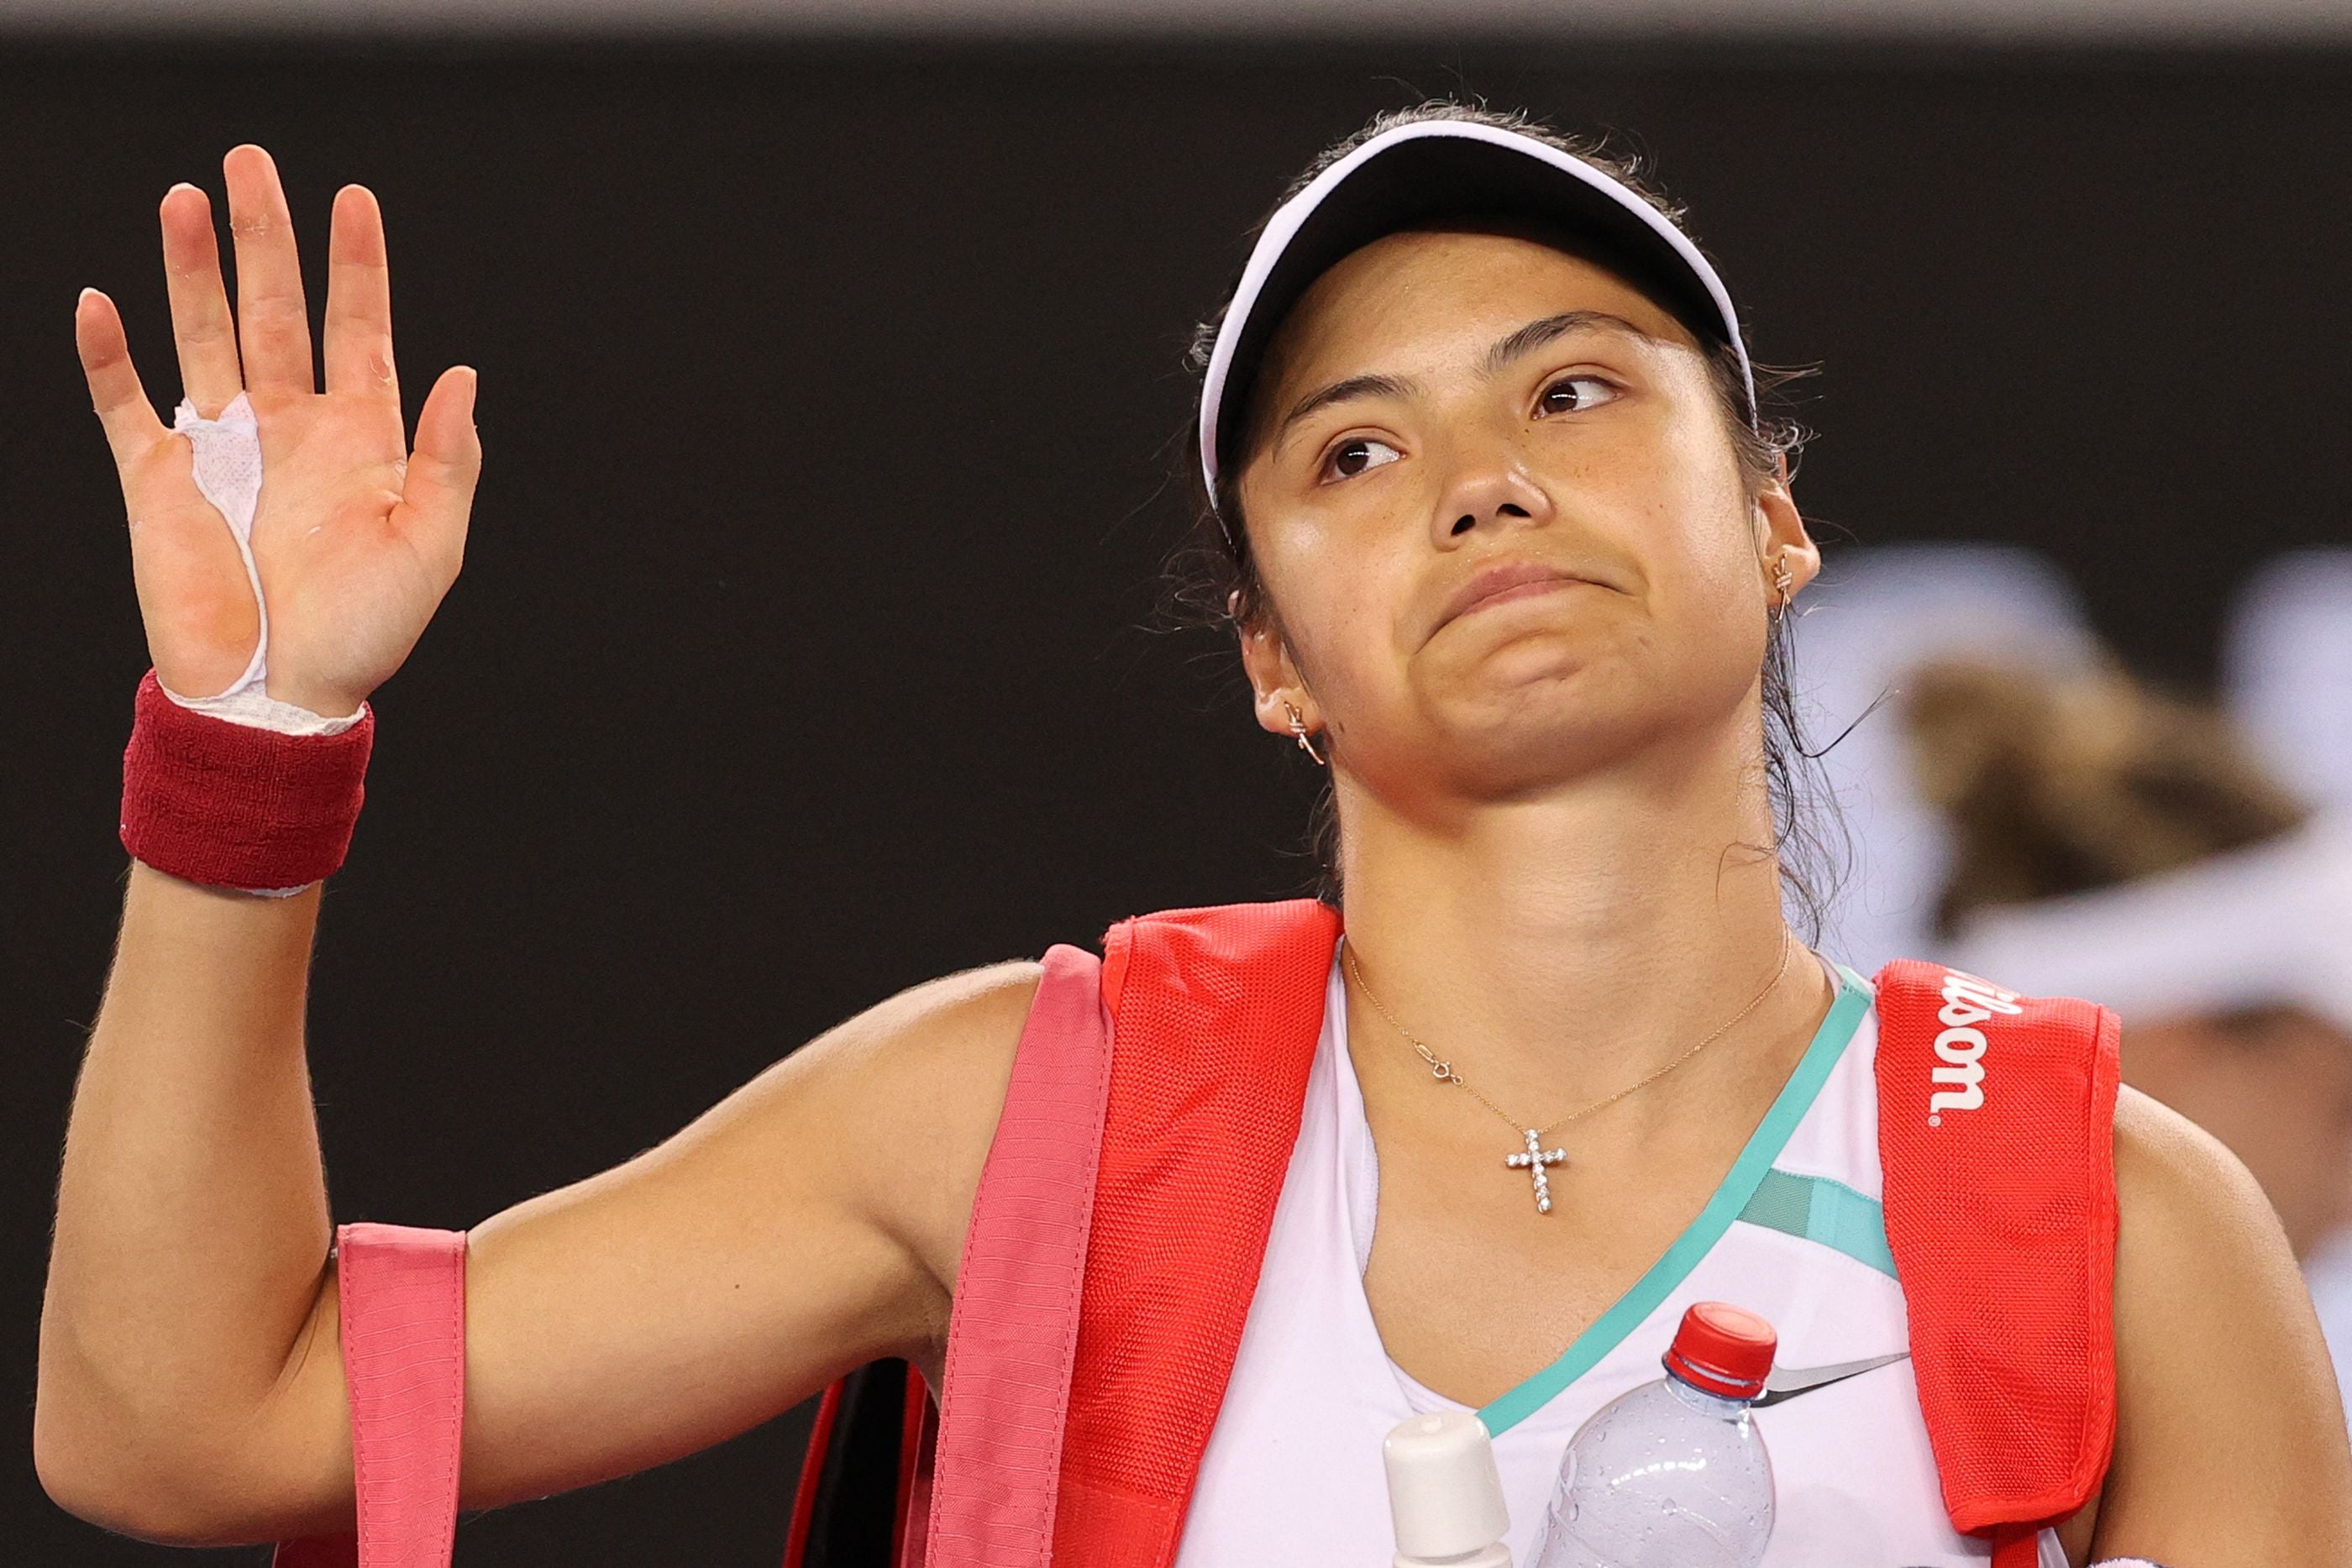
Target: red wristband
[(231, 805)]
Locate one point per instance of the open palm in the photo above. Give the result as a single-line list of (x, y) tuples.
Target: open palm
[(356, 539)]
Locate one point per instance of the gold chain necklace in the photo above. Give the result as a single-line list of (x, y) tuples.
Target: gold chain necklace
[(1535, 1159)]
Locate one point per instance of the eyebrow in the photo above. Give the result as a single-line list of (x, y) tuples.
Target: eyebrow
[(1525, 341)]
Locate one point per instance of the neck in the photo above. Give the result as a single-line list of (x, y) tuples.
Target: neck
[(1566, 944)]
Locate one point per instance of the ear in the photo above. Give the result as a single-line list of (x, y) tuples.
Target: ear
[(1779, 527), (1274, 677)]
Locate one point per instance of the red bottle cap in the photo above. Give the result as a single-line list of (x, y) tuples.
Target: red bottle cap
[(1723, 1349)]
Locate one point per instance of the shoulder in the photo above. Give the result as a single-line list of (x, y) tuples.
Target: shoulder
[(958, 1024), (2182, 1193), (905, 1098), (2200, 1248), (2232, 1442), (2196, 1238)]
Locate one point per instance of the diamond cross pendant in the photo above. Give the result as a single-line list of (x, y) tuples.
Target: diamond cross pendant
[(1533, 1162)]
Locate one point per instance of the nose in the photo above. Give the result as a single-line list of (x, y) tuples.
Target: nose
[(1490, 491)]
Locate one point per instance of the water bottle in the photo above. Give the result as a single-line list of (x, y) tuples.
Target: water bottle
[(1445, 1493), (1673, 1475)]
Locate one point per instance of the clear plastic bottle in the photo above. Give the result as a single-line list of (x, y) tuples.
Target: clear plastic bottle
[(1674, 1474)]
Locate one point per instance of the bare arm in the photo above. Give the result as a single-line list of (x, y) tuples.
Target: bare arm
[(191, 1379), (2232, 1450), (192, 1212)]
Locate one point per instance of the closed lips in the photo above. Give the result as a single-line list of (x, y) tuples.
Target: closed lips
[(1500, 579)]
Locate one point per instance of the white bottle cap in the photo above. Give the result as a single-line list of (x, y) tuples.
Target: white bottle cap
[(1445, 1492)]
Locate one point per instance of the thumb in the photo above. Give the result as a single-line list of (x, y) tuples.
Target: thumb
[(437, 495)]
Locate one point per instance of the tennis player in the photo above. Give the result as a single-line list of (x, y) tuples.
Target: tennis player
[(1508, 544)]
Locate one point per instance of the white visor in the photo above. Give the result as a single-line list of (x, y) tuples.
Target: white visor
[(1429, 170)]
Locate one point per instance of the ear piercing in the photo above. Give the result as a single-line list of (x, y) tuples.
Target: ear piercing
[(1299, 729)]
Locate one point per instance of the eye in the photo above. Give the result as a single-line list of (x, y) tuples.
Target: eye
[(1351, 458), (1573, 395)]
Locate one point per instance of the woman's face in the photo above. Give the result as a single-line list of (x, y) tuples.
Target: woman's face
[(1444, 404)]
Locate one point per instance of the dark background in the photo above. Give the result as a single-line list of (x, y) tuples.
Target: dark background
[(802, 650)]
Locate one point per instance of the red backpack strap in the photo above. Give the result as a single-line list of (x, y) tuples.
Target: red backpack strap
[(1996, 1133), (1214, 1014), (2018, 1546), (918, 1436), (812, 1481), (1013, 1329), (866, 1476), (401, 1292)]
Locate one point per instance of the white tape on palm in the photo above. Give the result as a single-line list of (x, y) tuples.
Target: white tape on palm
[(228, 475)]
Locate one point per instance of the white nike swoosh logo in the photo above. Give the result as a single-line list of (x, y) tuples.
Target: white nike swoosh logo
[(1787, 1381)]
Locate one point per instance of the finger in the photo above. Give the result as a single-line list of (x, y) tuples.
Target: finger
[(273, 323), (132, 429), (437, 496), (359, 300), (201, 325)]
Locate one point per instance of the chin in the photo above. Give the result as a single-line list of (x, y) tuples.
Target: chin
[(1541, 734), (1552, 647), (1540, 713), (1530, 682)]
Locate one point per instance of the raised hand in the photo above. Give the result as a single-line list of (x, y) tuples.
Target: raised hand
[(356, 537)]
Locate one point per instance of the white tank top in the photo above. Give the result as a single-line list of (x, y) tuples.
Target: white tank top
[(1293, 1475)]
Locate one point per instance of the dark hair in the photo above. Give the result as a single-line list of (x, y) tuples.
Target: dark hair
[(1213, 565), (2058, 785)]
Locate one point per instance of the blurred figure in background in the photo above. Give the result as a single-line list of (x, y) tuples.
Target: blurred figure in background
[(2114, 843), (2287, 666), (1880, 611)]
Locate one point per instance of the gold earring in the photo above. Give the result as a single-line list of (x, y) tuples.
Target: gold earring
[(1783, 580), (1298, 728)]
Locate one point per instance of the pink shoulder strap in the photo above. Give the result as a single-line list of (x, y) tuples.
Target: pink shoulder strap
[(401, 1291), (1012, 1331)]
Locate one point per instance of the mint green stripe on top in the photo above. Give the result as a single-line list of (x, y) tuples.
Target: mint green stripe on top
[(1823, 1210), (1739, 1184)]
